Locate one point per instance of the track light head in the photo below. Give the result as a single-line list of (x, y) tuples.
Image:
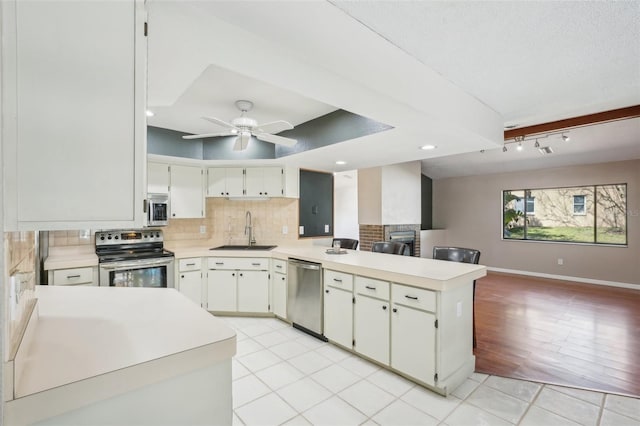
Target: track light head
[(566, 138), (519, 147), (504, 148), (537, 144)]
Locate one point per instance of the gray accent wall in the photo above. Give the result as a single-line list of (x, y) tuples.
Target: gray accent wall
[(337, 126), (469, 208), (426, 187), (169, 142), (222, 149)]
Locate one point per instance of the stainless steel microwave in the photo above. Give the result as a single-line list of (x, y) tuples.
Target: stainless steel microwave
[(157, 209)]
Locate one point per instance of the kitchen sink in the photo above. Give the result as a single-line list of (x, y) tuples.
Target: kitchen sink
[(242, 247)]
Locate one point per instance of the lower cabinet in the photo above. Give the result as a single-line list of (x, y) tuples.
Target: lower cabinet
[(190, 284), (413, 333), (87, 276), (238, 285), (371, 328), (279, 294), (338, 307)]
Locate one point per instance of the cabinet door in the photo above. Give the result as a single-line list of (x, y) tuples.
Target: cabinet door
[(279, 295), (73, 122), (221, 291), (413, 337), (253, 291), (234, 181), (371, 328), (272, 181), (338, 316), (253, 182), (190, 284), (157, 178), (187, 200), (216, 182)]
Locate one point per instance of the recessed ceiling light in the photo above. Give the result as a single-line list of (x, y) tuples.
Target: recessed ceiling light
[(150, 113), (341, 163), (234, 131), (428, 147)]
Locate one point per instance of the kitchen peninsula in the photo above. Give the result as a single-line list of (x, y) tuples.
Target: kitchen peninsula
[(106, 355)]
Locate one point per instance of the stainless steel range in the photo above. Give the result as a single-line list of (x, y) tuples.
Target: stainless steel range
[(134, 258)]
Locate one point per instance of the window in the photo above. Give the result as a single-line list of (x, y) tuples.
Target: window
[(586, 214), (578, 204)]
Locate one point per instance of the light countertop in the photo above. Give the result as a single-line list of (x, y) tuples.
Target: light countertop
[(83, 332), (71, 257)]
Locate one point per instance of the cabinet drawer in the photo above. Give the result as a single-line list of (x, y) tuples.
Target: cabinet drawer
[(414, 297), (279, 266), (374, 288), (338, 279), (190, 264), (73, 276), (244, 263)]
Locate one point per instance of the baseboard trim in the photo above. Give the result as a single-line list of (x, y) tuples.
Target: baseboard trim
[(566, 278)]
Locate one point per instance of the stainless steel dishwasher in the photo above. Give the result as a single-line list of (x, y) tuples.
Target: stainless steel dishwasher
[(304, 296)]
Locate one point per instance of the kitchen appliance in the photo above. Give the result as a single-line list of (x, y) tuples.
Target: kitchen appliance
[(134, 258), (407, 237), (157, 209), (304, 297)]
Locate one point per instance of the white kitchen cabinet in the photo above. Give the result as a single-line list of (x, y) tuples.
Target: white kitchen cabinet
[(338, 307), (413, 333), (238, 284), (222, 291), (158, 178), (225, 182), (279, 288), (186, 192), (253, 291), (87, 276), (189, 280), (264, 182), (74, 125), (371, 322)]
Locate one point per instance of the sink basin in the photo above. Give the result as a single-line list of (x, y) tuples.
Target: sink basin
[(242, 247)]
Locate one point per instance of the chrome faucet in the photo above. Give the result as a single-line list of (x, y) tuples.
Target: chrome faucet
[(248, 229)]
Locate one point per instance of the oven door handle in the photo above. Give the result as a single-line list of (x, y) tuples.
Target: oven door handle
[(136, 264)]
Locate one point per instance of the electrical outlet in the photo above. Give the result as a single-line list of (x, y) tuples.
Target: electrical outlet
[(203, 229), (459, 309), (326, 228), (285, 230), (560, 261), (301, 230)]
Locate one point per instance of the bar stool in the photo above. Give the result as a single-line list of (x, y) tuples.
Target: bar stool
[(391, 247)]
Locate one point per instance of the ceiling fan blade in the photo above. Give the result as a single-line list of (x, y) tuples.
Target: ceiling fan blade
[(242, 141), (274, 127), (219, 122), (279, 140), (208, 135)]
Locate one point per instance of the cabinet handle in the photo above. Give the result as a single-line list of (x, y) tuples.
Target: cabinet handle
[(369, 288), (181, 276), (326, 291), (219, 263), (241, 275), (411, 297), (174, 215), (266, 193), (384, 307), (222, 193), (191, 264), (72, 276), (227, 193), (233, 275), (255, 264), (279, 266), (394, 310), (283, 278), (337, 280)]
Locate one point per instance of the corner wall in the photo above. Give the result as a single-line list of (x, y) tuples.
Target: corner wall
[(469, 208)]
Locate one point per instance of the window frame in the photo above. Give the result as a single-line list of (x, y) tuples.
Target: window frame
[(594, 188), (584, 204)]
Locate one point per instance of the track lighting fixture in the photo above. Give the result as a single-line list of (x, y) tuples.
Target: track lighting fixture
[(504, 148), (566, 138), (537, 144), (519, 147)]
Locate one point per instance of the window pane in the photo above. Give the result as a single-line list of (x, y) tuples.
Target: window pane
[(579, 204), (611, 214), (513, 214)]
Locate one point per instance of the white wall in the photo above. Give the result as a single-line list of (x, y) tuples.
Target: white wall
[(390, 195), (345, 202), (401, 194)]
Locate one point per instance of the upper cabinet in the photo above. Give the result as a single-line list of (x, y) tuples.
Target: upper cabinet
[(264, 182), (225, 182), (251, 182), (186, 196), (73, 112), (158, 178)]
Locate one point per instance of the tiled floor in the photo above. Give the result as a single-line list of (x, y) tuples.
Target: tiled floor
[(283, 376)]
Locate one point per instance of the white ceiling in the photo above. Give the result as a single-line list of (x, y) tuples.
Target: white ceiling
[(448, 73)]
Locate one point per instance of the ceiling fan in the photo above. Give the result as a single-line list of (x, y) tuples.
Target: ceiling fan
[(244, 127)]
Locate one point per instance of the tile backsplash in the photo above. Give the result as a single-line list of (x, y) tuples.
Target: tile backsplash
[(225, 222)]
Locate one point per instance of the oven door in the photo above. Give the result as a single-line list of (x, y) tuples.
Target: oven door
[(138, 273)]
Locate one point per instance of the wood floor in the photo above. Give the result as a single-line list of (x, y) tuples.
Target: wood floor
[(565, 333)]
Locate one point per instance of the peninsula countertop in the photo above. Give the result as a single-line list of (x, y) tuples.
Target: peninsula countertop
[(84, 335)]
